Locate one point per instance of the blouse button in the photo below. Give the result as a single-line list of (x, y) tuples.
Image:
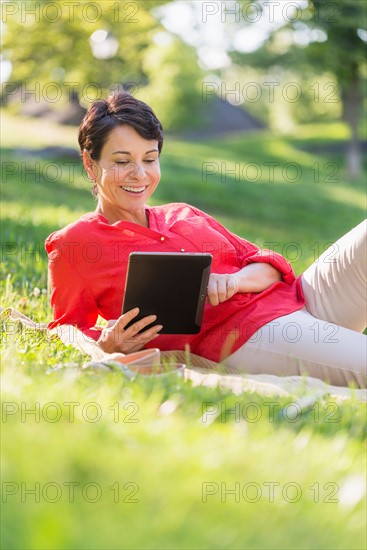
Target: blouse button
[(162, 238), (182, 250)]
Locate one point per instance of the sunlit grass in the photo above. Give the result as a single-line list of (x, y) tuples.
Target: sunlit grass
[(349, 196), (18, 132), (39, 214), (181, 452), (331, 131)]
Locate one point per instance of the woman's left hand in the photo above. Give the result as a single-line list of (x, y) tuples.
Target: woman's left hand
[(116, 338), (254, 278), (221, 287)]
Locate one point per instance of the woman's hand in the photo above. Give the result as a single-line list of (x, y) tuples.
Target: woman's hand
[(254, 277), (221, 287), (115, 338)]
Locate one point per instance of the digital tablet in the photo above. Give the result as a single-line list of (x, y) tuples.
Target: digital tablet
[(170, 285)]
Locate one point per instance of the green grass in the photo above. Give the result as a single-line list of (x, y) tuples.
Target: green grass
[(186, 440)]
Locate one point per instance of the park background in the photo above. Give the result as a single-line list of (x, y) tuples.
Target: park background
[(263, 104)]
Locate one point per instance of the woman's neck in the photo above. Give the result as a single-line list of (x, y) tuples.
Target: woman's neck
[(139, 217)]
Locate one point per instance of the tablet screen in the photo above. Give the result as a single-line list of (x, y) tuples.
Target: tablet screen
[(170, 285)]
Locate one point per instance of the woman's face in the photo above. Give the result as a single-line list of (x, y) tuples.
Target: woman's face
[(127, 172)]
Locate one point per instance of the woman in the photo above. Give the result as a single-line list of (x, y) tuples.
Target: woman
[(258, 316)]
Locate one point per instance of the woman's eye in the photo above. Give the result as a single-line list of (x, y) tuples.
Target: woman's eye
[(122, 162), (150, 160)]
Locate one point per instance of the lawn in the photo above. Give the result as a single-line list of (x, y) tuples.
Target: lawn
[(94, 461)]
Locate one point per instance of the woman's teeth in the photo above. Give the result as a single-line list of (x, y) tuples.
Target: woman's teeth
[(134, 189)]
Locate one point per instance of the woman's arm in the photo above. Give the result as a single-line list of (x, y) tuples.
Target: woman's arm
[(248, 252), (72, 301), (254, 277)]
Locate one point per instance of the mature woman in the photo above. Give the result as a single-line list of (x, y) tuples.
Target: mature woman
[(258, 318)]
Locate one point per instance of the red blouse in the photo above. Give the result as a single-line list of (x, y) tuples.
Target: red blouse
[(88, 266)]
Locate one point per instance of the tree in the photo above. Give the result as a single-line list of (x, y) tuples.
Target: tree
[(85, 51), (335, 41), (344, 53), (76, 43), (174, 88)]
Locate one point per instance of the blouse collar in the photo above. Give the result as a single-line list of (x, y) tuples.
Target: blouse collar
[(150, 232)]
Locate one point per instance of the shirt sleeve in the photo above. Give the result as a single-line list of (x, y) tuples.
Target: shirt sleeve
[(250, 253), (72, 301)]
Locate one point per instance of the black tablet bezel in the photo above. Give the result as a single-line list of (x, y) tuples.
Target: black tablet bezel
[(173, 284)]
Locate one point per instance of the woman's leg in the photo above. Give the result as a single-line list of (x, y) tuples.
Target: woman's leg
[(322, 338), (335, 286), (299, 343)]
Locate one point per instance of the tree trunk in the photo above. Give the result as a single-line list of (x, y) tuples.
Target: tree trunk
[(352, 103)]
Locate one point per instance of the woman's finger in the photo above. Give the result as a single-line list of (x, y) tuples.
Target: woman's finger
[(148, 335), (212, 290), (136, 343), (222, 289), (125, 318), (137, 327), (213, 295)]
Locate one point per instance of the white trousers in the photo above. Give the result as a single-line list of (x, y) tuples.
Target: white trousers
[(324, 338)]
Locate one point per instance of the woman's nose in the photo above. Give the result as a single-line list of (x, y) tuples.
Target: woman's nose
[(137, 170)]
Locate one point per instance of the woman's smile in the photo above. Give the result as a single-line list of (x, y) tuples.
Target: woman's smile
[(126, 174), (134, 190)]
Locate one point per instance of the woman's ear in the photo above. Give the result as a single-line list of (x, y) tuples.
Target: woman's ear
[(89, 165)]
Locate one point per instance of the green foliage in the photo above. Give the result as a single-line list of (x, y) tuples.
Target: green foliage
[(53, 55), (174, 89), (54, 45), (281, 98), (344, 52), (340, 51), (321, 40)]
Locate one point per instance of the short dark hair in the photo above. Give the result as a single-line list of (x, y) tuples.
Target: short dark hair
[(117, 110)]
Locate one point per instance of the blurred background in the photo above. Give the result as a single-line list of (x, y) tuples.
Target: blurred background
[(281, 63), (263, 105)]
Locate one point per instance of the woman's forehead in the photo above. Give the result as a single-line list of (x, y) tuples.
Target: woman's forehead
[(126, 139)]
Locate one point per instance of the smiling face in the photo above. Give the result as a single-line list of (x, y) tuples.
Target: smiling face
[(126, 174)]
